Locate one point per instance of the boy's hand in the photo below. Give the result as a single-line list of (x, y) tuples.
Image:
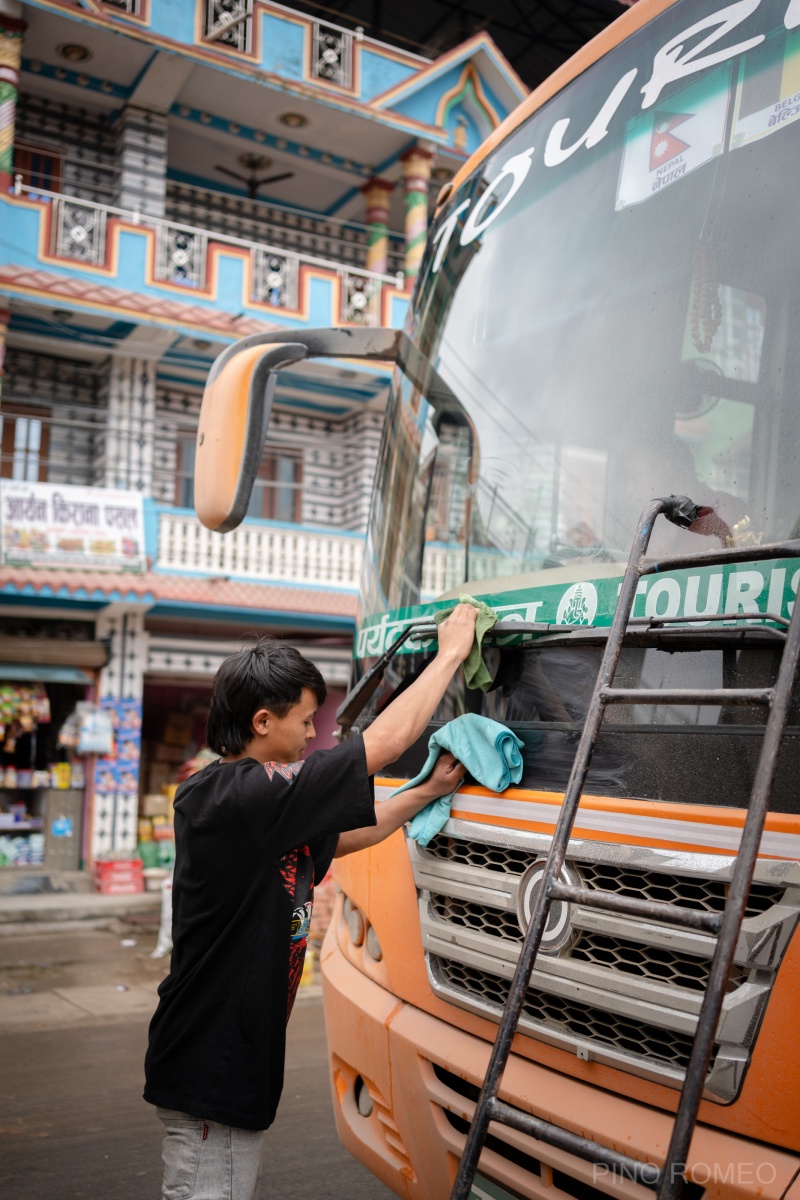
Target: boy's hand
[(445, 777), (457, 633)]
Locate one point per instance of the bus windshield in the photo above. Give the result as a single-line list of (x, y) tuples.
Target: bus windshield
[(612, 299)]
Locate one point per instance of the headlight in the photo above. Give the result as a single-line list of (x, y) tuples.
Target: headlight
[(355, 925), (373, 945)]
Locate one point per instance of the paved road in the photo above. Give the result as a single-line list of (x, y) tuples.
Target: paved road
[(72, 1123)]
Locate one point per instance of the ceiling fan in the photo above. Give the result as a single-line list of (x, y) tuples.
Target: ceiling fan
[(253, 163)]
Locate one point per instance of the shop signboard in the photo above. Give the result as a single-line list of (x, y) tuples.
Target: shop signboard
[(54, 525)]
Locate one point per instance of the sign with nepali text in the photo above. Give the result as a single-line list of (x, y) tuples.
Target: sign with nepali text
[(760, 589), (768, 95), (50, 525)]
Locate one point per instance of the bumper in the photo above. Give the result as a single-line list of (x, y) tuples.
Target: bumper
[(422, 1074)]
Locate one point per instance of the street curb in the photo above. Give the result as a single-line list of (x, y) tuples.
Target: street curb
[(26, 912)]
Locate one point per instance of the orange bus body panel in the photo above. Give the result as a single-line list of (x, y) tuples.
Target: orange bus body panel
[(408, 1124), (380, 882)]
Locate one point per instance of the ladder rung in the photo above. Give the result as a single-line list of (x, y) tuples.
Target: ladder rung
[(721, 557), (612, 695), (544, 1131), (651, 910)]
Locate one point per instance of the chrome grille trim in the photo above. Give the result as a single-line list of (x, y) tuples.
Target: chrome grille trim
[(642, 882), (620, 953), (469, 884)]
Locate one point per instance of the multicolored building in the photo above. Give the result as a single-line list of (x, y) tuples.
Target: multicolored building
[(174, 175)]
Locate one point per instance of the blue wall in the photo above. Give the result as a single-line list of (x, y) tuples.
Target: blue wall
[(378, 74), (282, 47), (173, 19)]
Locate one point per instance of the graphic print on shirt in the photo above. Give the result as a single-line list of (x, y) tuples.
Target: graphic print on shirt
[(286, 770), (297, 874)]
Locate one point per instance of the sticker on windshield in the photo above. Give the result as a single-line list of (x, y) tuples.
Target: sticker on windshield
[(768, 94), (674, 138), (578, 605)]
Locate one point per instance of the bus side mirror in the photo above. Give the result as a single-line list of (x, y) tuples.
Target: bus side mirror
[(234, 416)]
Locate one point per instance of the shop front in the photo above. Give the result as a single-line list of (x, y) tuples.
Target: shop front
[(71, 611), (106, 670), (51, 732)]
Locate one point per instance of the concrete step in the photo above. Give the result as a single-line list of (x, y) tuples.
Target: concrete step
[(15, 881), (54, 908)]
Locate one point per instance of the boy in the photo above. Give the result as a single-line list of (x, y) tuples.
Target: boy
[(253, 832)]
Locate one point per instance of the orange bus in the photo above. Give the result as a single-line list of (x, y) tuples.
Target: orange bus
[(606, 312)]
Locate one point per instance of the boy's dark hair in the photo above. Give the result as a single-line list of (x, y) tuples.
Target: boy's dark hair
[(267, 674)]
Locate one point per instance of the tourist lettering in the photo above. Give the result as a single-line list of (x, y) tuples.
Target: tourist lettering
[(679, 58)]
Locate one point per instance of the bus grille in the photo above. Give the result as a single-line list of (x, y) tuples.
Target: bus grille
[(614, 989), (708, 894), (621, 954), (580, 1019)]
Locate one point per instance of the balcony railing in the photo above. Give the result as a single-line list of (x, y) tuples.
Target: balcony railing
[(80, 229), (264, 550), (332, 55), (294, 230)]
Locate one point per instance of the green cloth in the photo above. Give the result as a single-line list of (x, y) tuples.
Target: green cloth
[(475, 670)]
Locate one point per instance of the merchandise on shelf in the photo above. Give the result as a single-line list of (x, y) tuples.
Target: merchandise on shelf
[(23, 707), (89, 729), (22, 851)]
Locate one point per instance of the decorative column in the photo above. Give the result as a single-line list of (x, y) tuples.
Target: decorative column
[(376, 196), (142, 161), (12, 28), (125, 456), (416, 177), (113, 827)]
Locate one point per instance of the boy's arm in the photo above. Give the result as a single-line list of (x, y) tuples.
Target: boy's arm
[(392, 813), (406, 718)]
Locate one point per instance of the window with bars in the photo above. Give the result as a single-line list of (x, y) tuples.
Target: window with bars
[(39, 166), (277, 492), (281, 478), (24, 438)]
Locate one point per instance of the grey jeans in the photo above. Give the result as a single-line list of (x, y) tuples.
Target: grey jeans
[(207, 1161)]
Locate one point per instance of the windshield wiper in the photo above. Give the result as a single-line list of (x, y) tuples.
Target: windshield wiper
[(641, 630), (654, 622), (423, 630)]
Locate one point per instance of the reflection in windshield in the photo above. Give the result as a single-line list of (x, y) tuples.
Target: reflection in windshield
[(622, 329)]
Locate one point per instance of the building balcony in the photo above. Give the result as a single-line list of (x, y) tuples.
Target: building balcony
[(296, 230), (165, 260), (268, 551)]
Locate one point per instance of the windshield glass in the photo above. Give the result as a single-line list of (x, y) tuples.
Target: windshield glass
[(612, 299)]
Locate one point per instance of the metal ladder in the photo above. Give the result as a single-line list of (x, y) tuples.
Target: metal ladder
[(666, 1181)]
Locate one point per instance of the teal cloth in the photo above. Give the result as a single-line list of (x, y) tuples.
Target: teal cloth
[(476, 673), (489, 751)]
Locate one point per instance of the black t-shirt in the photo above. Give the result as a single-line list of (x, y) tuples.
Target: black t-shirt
[(250, 840)]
